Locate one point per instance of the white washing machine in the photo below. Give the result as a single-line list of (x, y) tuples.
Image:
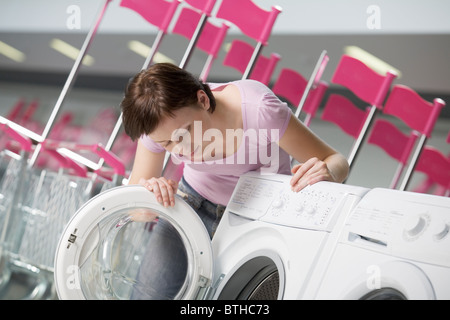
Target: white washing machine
[(266, 246), (394, 245), (269, 239)]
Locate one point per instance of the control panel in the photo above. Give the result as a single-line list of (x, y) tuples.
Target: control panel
[(404, 224), (269, 198)]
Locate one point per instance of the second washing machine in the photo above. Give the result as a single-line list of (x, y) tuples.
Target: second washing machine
[(394, 245)]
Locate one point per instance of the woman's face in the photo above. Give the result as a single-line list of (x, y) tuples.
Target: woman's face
[(184, 134)]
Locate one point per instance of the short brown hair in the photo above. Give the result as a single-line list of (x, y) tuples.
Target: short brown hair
[(157, 92)]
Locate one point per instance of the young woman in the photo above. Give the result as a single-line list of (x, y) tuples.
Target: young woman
[(220, 131)]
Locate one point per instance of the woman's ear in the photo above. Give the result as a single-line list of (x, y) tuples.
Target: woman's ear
[(203, 99)]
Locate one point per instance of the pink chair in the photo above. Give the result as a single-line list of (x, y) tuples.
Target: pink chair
[(291, 85), (210, 40), (420, 115), (239, 56), (342, 112), (158, 13), (436, 166), (65, 90), (305, 95), (13, 115), (16, 110), (395, 143), (420, 118), (368, 86), (24, 119), (253, 21), (205, 7)]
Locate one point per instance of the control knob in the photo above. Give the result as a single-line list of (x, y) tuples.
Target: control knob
[(441, 230), (414, 226), (278, 203)]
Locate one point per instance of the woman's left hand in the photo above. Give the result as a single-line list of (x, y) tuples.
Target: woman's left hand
[(310, 172)]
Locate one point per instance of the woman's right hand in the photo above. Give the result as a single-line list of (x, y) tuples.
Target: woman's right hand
[(164, 189)]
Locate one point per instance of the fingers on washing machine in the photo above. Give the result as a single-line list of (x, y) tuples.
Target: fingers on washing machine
[(163, 189), (308, 173)]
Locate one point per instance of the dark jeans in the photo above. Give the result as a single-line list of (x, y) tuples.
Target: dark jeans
[(164, 265)]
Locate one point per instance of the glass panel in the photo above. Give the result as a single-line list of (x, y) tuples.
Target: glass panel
[(139, 254), (256, 279)]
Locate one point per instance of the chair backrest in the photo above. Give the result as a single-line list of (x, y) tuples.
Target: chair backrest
[(395, 143), (345, 114), (291, 85), (369, 86), (428, 185), (419, 114), (436, 166), (16, 110), (239, 56), (407, 105), (205, 6), (14, 115), (210, 40), (158, 13), (364, 82), (253, 21)]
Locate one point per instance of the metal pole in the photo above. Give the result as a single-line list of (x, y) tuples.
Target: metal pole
[(154, 49), (362, 136), (194, 39), (206, 68), (112, 139), (412, 163), (69, 82), (311, 81), (252, 61)]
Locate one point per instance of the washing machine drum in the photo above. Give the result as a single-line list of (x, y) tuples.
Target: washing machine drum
[(118, 246)]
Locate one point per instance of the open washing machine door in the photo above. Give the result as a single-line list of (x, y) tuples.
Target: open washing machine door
[(104, 252)]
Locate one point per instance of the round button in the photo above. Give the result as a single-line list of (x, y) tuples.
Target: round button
[(440, 231), (277, 203), (311, 209), (415, 225)]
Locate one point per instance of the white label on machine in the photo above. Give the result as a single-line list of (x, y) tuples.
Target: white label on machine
[(270, 199)]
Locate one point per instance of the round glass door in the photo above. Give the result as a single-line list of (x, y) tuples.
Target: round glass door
[(133, 250)]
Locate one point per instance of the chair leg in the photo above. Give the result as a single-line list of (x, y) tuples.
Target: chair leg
[(362, 136), (253, 59), (412, 163)]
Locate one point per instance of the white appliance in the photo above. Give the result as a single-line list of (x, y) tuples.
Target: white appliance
[(394, 245), (269, 239), (266, 246)]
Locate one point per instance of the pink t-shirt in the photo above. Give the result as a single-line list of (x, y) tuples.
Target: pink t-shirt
[(265, 119)]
